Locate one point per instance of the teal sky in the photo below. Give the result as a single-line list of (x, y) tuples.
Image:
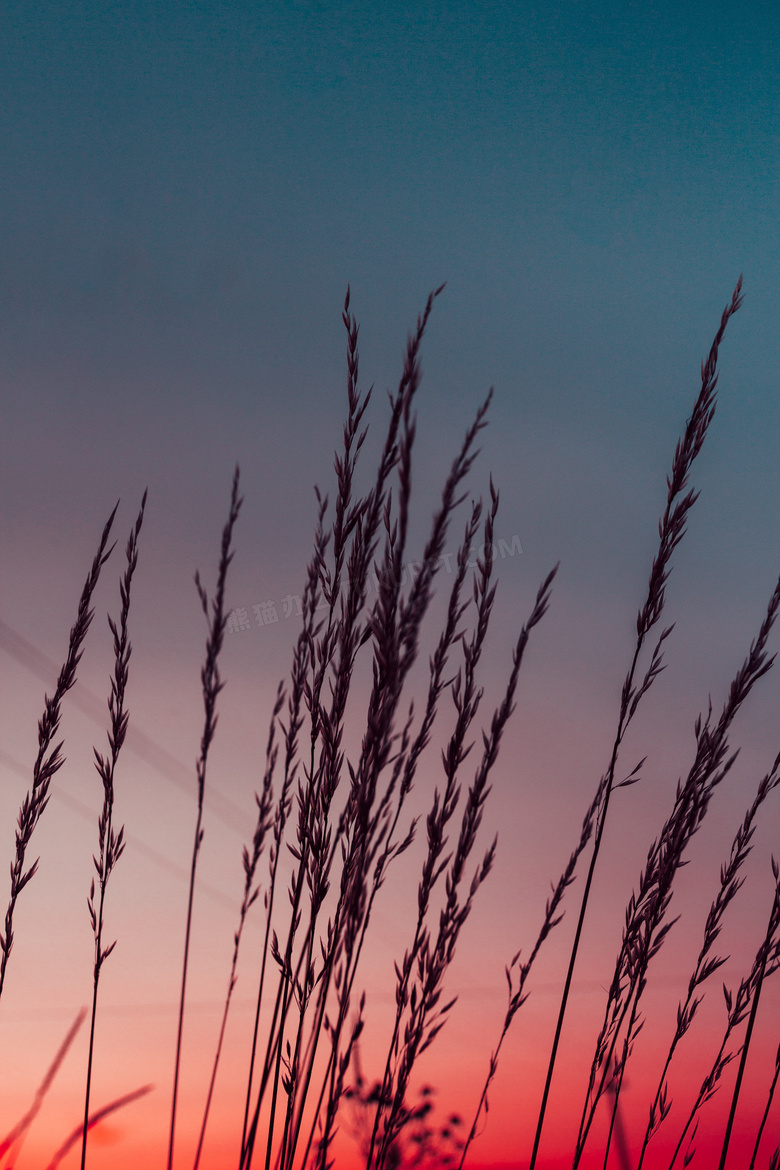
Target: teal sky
[(174, 170), (187, 190)]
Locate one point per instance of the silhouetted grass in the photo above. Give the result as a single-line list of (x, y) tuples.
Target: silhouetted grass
[(342, 818)]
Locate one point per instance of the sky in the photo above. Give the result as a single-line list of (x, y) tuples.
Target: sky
[(188, 191)]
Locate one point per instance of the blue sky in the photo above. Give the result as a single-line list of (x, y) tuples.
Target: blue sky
[(190, 188)]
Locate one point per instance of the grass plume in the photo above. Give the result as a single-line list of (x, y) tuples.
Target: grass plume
[(45, 765), (671, 530), (212, 684), (111, 844)]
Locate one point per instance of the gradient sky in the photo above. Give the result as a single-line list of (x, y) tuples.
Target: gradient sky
[(187, 191)]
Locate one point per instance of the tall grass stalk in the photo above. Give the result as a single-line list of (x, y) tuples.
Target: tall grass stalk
[(520, 972), (47, 765), (337, 640), (291, 730), (393, 847), (706, 963), (671, 530), (767, 962), (264, 802), (212, 684), (407, 759), (645, 928), (111, 843), (365, 832), (739, 1006), (17, 1134), (94, 1119), (769, 1099)]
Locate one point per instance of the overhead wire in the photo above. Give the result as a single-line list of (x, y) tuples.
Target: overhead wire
[(137, 741)]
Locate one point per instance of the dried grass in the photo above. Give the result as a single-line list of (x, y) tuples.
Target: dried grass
[(342, 817)]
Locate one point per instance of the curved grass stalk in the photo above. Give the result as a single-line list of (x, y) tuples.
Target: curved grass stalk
[(111, 843), (212, 685), (46, 766), (671, 531)]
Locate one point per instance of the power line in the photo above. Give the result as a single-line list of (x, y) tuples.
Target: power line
[(134, 843), (137, 741)]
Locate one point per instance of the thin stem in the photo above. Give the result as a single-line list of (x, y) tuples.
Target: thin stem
[(518, 996), (301, 659), (45, 766), (766, 958), (111, 844), (738, 1007), (392, 848), (94, 1118), (20, 1129), (250, 862), (645, 931), (672, 530), (426, 1018), (769, 1099), (706, 966), (212, 685)]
